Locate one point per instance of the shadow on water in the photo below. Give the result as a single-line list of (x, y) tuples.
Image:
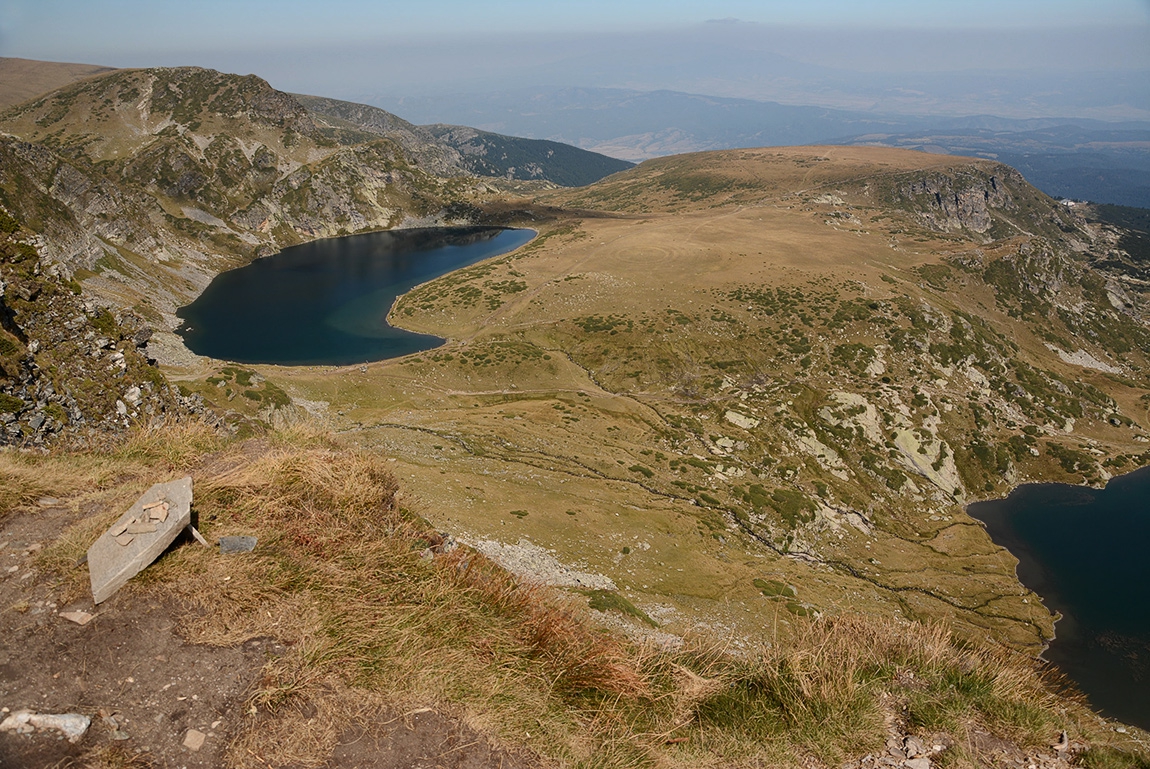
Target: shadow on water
[(1087, 553), (326, 302)]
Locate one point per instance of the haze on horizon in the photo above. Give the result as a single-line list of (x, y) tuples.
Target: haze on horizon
[(1029, 58)]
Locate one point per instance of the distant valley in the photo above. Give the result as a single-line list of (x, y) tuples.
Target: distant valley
[(1075, 158)]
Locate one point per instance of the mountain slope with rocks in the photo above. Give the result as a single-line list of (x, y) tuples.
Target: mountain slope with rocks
[(147, 183), (451, 148), (71, 369)]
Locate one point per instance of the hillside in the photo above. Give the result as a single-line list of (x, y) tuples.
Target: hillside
[(789, 366), (728, 405), (448, 148), (22, 79), (1076, 158)]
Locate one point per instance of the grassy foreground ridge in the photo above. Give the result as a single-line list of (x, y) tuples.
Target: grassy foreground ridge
[(378, 610)]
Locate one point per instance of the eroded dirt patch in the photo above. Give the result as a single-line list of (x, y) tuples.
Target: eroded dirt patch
[(128, 669)]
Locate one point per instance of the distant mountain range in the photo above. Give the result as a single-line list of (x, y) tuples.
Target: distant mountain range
[(1071, 157), (447, 148)]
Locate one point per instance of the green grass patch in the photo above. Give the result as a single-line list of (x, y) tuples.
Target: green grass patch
[(609, 600)]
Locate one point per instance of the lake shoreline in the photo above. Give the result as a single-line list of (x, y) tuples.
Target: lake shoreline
[(327, 302), (1079, 548)]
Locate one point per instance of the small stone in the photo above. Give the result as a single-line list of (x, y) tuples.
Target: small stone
[(79, 617), (119, 734), (914, 747), (194, 739), (133, 396), (124, 538), (917, 763), (141, 528), (121, 408), (119, 529), (237, 544), (72, 725), (47, 502), (200, 538)]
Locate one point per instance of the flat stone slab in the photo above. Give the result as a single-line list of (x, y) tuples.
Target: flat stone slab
[(237, 544), (139, 536)]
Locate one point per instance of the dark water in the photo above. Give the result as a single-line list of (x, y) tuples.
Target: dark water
[(1087, 553), (326, 302)]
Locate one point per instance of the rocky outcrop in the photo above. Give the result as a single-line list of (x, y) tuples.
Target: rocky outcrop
[(958, 201), (70, 368)]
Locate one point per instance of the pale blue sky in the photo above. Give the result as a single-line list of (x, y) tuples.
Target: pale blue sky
[(90, 29), (797, 51)]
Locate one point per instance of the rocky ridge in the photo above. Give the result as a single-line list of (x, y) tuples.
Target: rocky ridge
[(144, 184), (71, 368), (452, 149)]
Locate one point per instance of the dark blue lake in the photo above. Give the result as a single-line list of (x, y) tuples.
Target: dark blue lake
[(1087, 553), (326, 302)]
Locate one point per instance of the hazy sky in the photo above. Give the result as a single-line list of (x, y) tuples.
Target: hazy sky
[(87, 29), (758, 49)]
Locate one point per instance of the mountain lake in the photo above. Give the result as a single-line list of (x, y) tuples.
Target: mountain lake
[(326, 302), (1087, 553)]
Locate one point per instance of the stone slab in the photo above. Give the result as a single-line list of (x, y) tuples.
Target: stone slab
[(237, 544), (111, 564)]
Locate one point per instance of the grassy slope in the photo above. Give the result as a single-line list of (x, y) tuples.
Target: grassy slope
[(377, 610), (23, 79), (590, 375)]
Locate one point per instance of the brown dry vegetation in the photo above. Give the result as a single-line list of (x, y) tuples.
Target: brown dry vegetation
[(21, 79), (378, 612)]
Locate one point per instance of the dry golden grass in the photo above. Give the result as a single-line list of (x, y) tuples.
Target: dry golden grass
[(370, 601), (22, 79), (381, 616), (27, 476)]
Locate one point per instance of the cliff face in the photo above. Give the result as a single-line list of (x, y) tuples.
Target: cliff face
[(984, 199), (950, 204)]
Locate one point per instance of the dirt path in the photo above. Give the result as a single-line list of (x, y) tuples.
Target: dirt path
[(142, 685), (150, 694)]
